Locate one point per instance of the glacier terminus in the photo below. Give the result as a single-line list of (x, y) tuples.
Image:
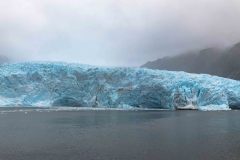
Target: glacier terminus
[(52, 84)]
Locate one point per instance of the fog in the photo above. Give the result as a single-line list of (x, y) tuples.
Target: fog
[(114, 33)]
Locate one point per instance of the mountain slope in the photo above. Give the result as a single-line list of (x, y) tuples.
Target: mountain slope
[(224, 63)]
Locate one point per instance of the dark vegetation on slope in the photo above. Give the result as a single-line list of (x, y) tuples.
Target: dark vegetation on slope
[(224, 63)]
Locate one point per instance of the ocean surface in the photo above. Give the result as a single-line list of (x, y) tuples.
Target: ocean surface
[(37, 134)]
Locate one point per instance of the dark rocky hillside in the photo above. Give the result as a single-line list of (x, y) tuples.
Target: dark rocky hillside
[(224, 63)]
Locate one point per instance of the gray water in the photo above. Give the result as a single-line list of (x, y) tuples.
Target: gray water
[(119, 135)]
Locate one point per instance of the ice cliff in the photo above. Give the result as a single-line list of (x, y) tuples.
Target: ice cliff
[(61, 84)]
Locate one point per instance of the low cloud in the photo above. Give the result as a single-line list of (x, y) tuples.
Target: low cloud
[(114, 33)]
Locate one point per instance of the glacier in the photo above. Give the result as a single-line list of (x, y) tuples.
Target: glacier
[(53, 84)]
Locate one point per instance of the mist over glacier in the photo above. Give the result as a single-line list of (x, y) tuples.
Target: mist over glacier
[(45, 84)]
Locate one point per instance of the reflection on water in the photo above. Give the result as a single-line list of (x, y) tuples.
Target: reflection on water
[(97, 119), (107, 135)]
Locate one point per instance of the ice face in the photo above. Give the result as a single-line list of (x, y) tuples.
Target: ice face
[(62, 84)]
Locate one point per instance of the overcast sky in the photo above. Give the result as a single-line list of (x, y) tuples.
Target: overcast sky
[(114, 33)]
